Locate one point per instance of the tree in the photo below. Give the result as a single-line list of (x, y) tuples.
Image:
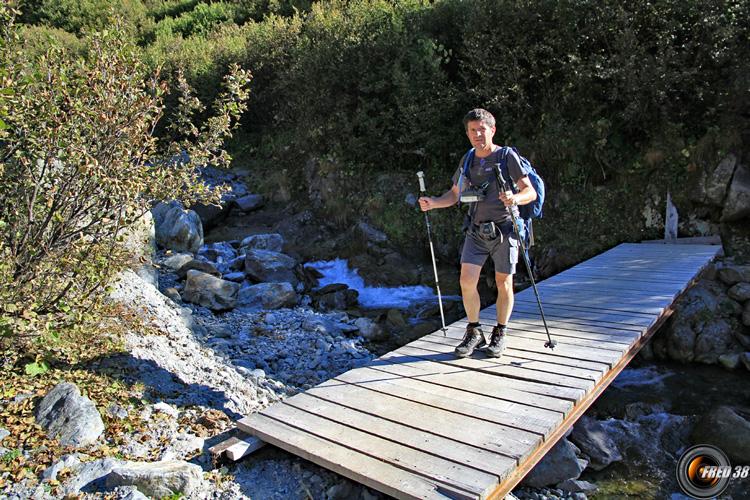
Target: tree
[(80, 162)]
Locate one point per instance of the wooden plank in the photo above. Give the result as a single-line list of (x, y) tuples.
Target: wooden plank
[(476, 458), (565, 312), (434, 373), (605, 303), (580, 324), (450, 399), (584, 307), (523, 356), (433, 468), (541, 371), (505, 441), (569, 347), (361, 468), (575, 331), (522, 381)]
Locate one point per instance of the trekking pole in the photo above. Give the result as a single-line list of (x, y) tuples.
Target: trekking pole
[(420, 174), (503, 185)]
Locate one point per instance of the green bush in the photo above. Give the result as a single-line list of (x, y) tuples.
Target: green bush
[(79, 164), (76, 15)]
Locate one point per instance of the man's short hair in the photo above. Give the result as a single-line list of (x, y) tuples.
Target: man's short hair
[(479, 114)]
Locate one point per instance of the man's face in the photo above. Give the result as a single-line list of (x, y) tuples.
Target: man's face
[(480, 134)]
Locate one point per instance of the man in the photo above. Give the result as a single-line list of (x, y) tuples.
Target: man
[(490, 232)]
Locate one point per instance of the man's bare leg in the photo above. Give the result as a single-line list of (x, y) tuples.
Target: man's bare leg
[(505, 297), (469, 292)]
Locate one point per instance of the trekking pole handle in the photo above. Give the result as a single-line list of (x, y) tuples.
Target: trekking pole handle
[(420, 174)]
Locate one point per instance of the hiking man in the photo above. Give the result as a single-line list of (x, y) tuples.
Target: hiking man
[(490, 229)]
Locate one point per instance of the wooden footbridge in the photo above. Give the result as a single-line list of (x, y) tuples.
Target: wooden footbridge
[(420, 423)]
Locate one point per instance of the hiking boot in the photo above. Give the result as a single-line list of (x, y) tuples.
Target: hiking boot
[(473, 339), (497, 343)]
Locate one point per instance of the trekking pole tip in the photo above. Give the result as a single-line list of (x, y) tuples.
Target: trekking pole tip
[(551, 344)]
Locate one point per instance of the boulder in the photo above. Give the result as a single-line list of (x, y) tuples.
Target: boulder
[(371, 234), (176, 261), (681, 341), (368, 329), (219, 253), (719, 179), (745, 358), (159, 479), (89, 475), (737, 204), (272, 241), (209, 291), (715, 339), (139, 240), (177, 229), (267, 296), (728, 429), (592, 439), (210, 215), (746, 314), (730, 361), (249, 202), (335, 296), (577, 486), (733, 274), (69, 417), (740, 292), (270, 266), (558, 465), (198, 265)]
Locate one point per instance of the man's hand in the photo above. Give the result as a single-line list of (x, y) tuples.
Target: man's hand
[(426, 203), (508, 198)]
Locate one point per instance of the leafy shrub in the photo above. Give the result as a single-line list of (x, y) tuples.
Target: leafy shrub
[(76, 15), (80, 164)]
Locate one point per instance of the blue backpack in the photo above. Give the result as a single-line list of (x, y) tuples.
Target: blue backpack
[(531, 210)]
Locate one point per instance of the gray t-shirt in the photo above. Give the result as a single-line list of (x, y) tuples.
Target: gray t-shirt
[(482, 171)]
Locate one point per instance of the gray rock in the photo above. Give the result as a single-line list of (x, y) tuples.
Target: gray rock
[(341, 491), (220, 252), (726, 428), (559, 464), (173, 294), (129, 493), (209, 291), (273, 242), (249, 202), (270, 266), (395, 319), (681, 341), (592, 439), (733, 274), (167, 409), (210, 215), (267, 296), (179, 230), (737, 204), (740, 292), (746, 314), (718, 181), (577, 486), (730, 361), (370, 233), (139, 240), (715, 339), (158, 479), (69, 417), (237, 277), (198, 265), (335, 296), (4, 433), (88, 473), (369, 329), (116, 411), (65, 462), (177, 260)]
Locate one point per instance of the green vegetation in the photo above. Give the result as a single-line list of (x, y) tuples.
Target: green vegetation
[(615, 103), (80, 165)]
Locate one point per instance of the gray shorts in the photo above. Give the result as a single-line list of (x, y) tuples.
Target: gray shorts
[(503, 249)]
